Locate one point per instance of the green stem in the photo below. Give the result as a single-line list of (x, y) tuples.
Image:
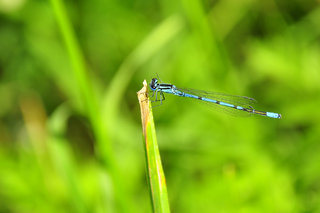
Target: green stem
[(155, 174)]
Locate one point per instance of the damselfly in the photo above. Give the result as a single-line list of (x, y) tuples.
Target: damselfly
[(240, 103)]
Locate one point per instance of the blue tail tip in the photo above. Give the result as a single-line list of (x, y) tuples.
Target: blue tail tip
[(273, 115)]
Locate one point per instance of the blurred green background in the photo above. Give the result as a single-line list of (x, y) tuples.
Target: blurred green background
[(70, 128)]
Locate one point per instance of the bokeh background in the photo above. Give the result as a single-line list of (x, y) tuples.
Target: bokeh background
[(70, 128)]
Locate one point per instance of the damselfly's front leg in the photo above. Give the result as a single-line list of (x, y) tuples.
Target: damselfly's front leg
[(161, 97)]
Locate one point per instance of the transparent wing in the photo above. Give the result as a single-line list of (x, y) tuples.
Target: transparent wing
[(237, 100)]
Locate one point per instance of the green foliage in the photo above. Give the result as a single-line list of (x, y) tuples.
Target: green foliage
[(70, 130)]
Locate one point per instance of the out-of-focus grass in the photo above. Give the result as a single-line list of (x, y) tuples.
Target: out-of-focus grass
[(91, 110), (65, 100)]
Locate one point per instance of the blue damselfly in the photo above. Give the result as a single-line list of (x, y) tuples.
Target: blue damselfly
[(240, 103)]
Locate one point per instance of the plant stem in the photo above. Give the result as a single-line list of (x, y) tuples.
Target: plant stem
[(155, 174)]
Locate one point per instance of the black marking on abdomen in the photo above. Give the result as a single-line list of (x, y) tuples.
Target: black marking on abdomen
[(260, 112), (200, 98), (247, 110), (218, 102)]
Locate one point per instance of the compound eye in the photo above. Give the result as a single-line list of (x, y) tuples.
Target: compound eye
[(153, 83)]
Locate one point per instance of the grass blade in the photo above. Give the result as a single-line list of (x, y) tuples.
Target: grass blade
[(91, 105), (155, 174)]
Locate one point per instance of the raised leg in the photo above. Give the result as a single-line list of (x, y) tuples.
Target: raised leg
[(158, 77)]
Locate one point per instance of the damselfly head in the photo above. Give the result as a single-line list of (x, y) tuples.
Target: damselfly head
[(154, 83)]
